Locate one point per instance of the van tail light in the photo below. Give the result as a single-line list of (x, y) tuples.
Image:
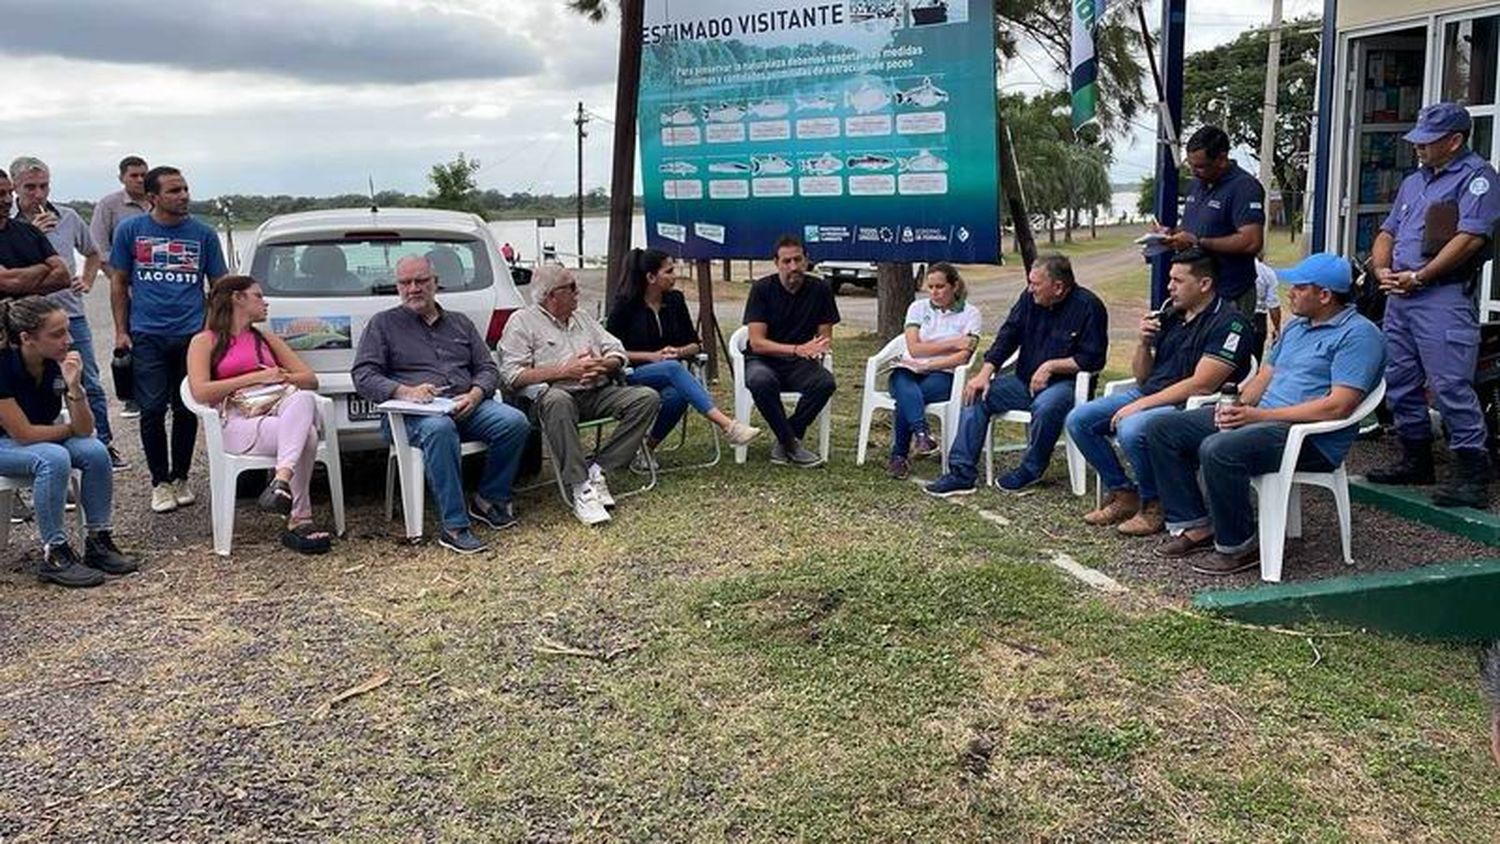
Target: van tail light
[(497, 325)]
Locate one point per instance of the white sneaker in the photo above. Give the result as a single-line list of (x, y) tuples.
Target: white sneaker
[(739, 433), (181, 492), (587, 506), (163, 499), (600, 485)]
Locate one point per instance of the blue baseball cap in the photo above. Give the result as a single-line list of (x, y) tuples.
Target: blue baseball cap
[(1439, 119), (1324, 269)]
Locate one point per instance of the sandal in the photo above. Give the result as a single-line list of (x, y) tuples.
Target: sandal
[(277, 499), (307, 539)]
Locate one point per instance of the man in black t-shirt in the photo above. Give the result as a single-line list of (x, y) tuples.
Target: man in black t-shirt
[(28, 263), (1196, 344), (790, 316)]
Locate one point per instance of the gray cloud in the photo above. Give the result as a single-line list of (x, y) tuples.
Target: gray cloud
[(337, 43)]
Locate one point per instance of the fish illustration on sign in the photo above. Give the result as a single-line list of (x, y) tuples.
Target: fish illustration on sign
[(735, 168), (925, 95), (680, 116), (815, 103), (867, 97), (924, 162), (871, 162), (769, 109), (770, 165), (823, 165), (677, 168), (725, 113)]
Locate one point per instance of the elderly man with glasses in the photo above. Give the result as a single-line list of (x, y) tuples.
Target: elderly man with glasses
[(565, 362), (418, 351)]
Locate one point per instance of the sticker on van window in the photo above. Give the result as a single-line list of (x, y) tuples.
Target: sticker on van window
[(305, 334)]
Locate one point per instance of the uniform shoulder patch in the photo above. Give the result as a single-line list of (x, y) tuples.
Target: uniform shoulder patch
[(1479, 186)]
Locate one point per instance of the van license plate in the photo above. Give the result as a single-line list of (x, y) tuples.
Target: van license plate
[(361, 410)]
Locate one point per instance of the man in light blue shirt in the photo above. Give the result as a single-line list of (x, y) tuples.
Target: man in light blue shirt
[(1329, 357)]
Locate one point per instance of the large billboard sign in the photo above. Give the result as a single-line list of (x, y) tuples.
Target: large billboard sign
[(867, 127)]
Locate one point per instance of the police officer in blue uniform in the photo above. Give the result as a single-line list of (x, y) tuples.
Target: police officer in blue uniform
[(1224, 215), (1427, 257)]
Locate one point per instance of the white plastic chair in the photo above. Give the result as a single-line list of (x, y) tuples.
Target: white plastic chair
[(698, 366), (225, 468), (1279, 494), (876, 399), (405, 460), (744, 402), (1077, 466)]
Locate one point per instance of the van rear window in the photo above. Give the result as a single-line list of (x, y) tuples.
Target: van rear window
[(367, 267)]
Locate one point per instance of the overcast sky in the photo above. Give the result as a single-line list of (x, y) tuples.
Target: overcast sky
[(318, 96)]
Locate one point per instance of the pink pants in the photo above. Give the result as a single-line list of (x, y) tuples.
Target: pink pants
[(291, 435)]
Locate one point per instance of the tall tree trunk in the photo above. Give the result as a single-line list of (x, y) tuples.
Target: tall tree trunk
[(1094, 223), (894, 291), (1069, 217), (708, 323), (1051, 230), (622, 173)]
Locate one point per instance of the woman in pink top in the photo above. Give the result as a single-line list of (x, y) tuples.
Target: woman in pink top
[(231, 354)]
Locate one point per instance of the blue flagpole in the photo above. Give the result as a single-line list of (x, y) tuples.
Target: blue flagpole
[(1173, 26)]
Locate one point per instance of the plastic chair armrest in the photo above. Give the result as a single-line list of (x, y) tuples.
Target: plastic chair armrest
[(1112, 387)]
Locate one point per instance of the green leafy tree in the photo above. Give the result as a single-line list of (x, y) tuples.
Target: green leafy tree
[(1145, 204), (454, 186), (1219, 91), (1062, 179)]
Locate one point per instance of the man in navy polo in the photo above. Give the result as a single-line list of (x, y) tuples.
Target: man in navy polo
[(1328, 359), (1059, 330), (1225, 216), (1188, 349), (1427, 256)]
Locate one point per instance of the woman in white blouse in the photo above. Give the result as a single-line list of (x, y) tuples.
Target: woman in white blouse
[(941, 332)]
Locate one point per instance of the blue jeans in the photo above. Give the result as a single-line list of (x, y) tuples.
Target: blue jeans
[(913, 392), (48, 465), (160, 366), (678, 389), (1088, 425), (83, 344), (500, 426), (1178, 443), (1048, 410)]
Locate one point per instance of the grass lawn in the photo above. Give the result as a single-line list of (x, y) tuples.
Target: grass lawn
[(747, 653)]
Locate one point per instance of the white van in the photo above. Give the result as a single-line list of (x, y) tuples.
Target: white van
[(325, 273)]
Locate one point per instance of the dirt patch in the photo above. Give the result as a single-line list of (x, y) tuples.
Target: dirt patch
[(794, 616)]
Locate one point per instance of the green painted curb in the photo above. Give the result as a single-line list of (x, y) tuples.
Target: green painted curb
[(1409, 503), (1454, 601)]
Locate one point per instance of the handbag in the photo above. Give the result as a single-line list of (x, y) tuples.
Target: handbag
[(262, 400)]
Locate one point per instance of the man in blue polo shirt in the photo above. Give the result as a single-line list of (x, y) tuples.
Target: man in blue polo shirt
[(158, 266), (1427, 255), (1328, 359), (1225, 216), (1059, 330), (1191, 347)]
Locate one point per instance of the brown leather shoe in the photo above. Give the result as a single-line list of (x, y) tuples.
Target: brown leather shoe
[(1147, 521), (1183, 546), (1118, 506), (1221, 563)]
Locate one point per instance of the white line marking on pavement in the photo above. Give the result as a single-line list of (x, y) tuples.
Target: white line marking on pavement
[(1089, 577)]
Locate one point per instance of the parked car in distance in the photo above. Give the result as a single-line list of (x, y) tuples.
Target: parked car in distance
[(840, 273), (326, 273)]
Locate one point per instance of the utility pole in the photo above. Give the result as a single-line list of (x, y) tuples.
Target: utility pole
[(579, 121), (1268, 111)]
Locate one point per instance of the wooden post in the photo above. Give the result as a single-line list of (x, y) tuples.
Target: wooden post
[(622, 175), (708, 324), (728, 274)]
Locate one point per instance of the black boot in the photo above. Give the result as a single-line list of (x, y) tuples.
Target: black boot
[(1414, 468), (100, 552), (1469, 484)]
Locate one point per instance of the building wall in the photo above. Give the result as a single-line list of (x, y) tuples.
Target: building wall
[(1357, 13)]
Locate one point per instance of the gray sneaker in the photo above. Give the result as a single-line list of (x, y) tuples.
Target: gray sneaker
[(802, 458)]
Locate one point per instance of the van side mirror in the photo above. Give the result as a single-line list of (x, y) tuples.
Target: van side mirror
[(520, 275)]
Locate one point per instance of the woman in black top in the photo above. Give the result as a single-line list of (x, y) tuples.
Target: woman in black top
[(650, 318), (37, 374)]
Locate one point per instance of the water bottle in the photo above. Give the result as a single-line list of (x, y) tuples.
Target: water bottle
[(123, 369)]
